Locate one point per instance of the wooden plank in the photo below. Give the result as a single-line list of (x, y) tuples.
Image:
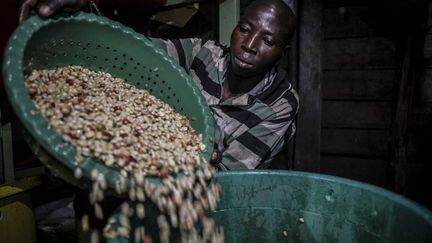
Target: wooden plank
[(371, 171), (420, 132), (359, 84), (424, 87), (419, 195), (429, 23), (417, 183), (427, 51), (343, 5), (417, 174), (229, 15), (292, 57), (307, 149), (8, 164), (346, 22), (353, 114), (421, 116), (359, 53), (411, 49), (346, 3), (354, 142)]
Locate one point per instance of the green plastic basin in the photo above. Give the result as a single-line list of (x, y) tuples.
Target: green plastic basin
[(288, 206)]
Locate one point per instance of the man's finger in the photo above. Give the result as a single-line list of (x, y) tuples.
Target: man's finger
[(25, 9), (216, 157), (47, 8), (51, 7)]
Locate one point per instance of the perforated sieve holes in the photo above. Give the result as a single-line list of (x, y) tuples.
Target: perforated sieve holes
[(152, 84)]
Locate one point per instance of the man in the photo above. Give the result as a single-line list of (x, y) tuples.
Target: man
[(253, 103)]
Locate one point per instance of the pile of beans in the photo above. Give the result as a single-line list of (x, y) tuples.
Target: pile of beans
[(128, 129)]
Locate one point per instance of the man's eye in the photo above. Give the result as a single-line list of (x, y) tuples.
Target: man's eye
[(268, 42), (243, 29)]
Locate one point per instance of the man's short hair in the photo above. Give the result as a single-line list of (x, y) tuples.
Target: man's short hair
[(288, 7)]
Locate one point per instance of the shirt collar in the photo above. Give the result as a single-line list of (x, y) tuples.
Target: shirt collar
[(250, 97)]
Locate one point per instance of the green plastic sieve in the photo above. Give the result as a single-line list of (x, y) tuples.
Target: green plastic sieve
[(96, 43)]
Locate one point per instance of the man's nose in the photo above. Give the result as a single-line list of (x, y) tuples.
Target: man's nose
[(250, 44)]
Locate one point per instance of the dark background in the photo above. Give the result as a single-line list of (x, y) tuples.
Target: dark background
[(363, 71)]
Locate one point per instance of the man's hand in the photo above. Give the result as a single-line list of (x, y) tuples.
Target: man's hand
[(49, 7), (216, 157)]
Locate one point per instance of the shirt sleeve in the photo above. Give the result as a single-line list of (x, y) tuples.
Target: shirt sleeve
[(257, 146), (183, 51)]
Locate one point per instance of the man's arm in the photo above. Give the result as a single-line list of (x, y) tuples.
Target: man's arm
[(183, 51)]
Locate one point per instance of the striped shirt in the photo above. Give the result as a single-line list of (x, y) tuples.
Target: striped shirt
[(251, 127)]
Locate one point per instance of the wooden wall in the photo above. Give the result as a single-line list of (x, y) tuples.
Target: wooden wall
[(358, 84), (362, 70)]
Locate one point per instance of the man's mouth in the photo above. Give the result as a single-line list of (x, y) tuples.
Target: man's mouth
[(242, 63)]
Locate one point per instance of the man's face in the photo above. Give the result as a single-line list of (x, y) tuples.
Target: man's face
[(257, 41)]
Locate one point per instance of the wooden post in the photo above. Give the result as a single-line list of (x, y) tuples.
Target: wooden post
[(6, 150), (307, 145), (8, 164), (229, 15), (411, 48), (293, 78)]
